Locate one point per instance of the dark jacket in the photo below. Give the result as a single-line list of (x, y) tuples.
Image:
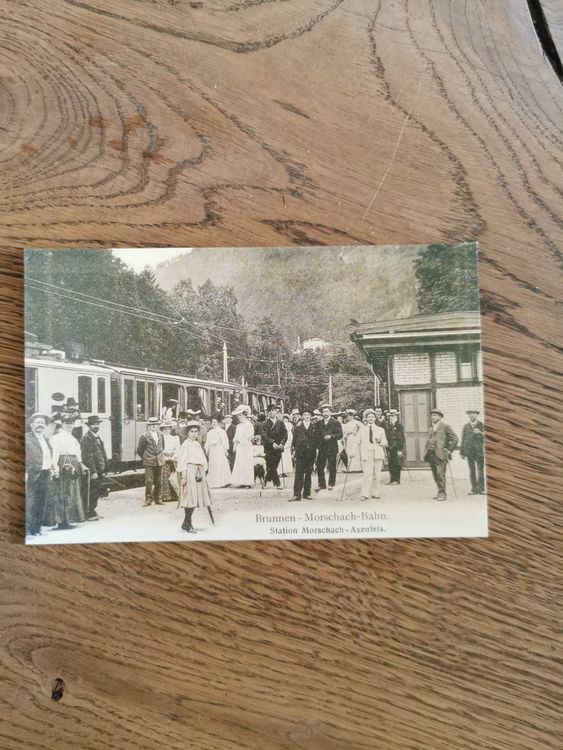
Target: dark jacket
[(471, 445), (395, 436), (305, 441), (444, 439), (273, 432), (94, 453), (151, 451), (333, 428), (381, 423), (33, 456)]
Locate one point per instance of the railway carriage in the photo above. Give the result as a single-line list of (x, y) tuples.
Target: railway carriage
[(125, 398)]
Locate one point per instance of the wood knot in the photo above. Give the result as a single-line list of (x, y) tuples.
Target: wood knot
[(58, 689)]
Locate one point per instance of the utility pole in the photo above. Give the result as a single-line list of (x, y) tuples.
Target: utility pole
[(225, 363), (330, 389)]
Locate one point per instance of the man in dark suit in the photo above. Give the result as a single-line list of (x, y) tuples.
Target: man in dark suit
[(472, 448), (329, 432), (274, 437), (230, 427), (151, 449), (38, 471), (94, 457), (440, 443), (396, 446), (380, 420), (305, 441)]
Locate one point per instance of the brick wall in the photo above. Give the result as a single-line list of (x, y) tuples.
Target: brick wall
[(411, 369), (445, 367), (455, 401)]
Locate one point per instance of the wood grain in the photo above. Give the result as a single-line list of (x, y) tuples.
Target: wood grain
[(249, 122)]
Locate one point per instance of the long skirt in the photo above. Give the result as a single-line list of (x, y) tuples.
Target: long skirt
[(68, 506), (194, 494), (167, 492), (243, 470), (353, 453), (219, 471)]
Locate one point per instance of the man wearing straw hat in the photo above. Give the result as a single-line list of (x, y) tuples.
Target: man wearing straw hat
[(151, 449), (372, 441), (472, 449), (38, 471)]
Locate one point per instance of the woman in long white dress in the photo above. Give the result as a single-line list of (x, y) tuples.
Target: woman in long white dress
[(351, 429), (191, 467), (243, 470), (217, 449), (285, 466)]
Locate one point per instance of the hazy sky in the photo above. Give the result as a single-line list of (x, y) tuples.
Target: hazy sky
[(139, 257)]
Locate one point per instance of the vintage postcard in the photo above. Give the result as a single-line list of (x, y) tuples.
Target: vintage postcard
[(207, 394)]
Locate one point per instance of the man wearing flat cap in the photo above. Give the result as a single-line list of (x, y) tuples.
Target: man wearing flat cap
[(95, 458), (329, 432), (472, 449), (38, 472), (151, 450), (440, 443)]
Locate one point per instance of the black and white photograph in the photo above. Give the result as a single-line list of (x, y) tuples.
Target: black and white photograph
[(205, 394)]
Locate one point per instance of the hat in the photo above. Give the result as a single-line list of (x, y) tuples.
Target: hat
[(38, 414), (317, 412), (325, 406), (271, 406), (167, 423), (71, 402), (242, 409), (193, 423), (193, 413), (393, 412), (437, 411), (351, 411), (153, 420), (295, 411), (93, 419), (69, 416), (473, 411), (368, 411), (173, 400)]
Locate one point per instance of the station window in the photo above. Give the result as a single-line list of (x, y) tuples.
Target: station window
[(102, 395), (128, 399), (85, 393), (141, 409), (467, 365)]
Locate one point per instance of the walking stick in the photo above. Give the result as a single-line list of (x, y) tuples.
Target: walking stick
[(344, 487), (211, 514), (452, 477), (283, 470), (88, 491)]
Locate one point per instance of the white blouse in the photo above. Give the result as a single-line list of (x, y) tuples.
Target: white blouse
[(171, 444), (190, 452), (65, 444)]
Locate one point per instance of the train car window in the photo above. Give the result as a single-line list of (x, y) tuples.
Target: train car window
[(128, 400), (85, 393), (141, 401), (151, 395), (101, 395)]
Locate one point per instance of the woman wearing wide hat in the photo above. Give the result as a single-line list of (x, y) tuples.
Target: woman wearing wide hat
[(171, 445), (191, 468), (68, 471)]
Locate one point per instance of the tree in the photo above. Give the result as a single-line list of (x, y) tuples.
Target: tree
[(447, 279)]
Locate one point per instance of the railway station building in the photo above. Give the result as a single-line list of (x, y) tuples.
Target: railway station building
[(425, 362)]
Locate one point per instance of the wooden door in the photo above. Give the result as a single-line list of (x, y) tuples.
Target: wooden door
[(415, 416)]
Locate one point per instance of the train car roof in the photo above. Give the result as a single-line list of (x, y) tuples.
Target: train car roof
[(66, 364), (107, 369)]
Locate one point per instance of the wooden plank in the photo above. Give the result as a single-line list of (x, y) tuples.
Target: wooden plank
[(132, 122)]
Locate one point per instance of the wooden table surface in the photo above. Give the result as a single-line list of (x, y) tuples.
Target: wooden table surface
[(264, 122)]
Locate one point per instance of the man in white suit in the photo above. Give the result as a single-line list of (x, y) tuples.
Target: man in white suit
[(372, 442)]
